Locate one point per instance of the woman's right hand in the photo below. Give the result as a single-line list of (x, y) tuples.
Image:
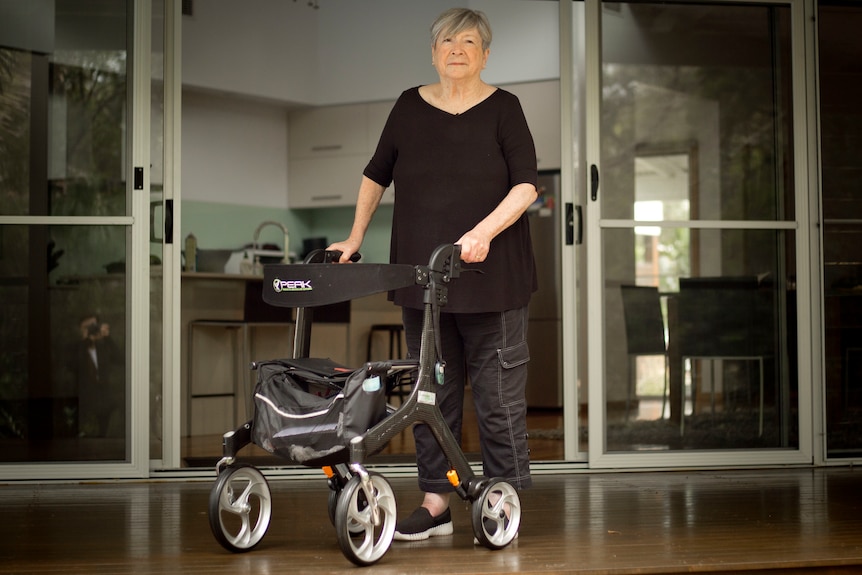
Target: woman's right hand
[(347, 249), (370, 193)]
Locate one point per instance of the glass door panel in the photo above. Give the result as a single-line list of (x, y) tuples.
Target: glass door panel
[(841, 147), (697, 217), (65, 239), (64, 393)]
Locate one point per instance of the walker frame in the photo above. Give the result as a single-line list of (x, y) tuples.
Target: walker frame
[(361, 505)]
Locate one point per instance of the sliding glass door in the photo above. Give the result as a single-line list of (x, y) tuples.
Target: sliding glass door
[(694, 265), (840, 76), (73, 174)]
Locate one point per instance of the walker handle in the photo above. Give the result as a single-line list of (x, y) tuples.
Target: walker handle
[(332, 256), (319, 256)]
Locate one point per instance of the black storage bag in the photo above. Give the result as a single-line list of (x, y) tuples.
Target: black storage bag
[(309, 418)]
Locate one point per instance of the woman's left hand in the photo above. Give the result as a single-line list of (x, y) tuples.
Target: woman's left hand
[(476, 243), (474, 247)]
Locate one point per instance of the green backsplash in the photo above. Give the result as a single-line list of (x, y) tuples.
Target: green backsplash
[(230, 226)]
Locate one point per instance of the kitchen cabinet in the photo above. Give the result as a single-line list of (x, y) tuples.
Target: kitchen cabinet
[(325, 181), (331, 145), (329, 148), (329, 131), (541, 104), (378, 113)]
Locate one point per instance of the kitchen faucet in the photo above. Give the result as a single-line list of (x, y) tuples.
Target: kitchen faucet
[(258, 268)]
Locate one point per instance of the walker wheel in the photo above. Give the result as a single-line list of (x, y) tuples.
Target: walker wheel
[(332, 502), (497, 514), (362, 539), (332, 505), (240, 507)]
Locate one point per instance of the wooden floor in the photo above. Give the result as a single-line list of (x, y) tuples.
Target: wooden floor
[(796, 520)]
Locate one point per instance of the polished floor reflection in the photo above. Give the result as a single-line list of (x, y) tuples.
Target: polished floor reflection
[(794, 520)]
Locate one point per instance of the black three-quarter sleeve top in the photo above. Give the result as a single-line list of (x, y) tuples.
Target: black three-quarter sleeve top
[(450, 171)]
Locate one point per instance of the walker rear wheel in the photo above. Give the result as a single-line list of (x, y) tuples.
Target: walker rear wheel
[(240, 508), (365, 521), (497, 515)]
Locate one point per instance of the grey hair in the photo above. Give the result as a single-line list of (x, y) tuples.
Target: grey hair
[(456, 20)]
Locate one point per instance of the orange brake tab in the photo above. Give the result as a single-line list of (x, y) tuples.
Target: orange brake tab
[(452, 475)]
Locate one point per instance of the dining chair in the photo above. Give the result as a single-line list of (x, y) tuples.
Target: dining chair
[(645, 335), (725, 318)]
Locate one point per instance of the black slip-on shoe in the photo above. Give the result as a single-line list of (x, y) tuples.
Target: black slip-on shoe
[(420, 525)]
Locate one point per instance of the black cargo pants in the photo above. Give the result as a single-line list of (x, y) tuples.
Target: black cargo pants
[(490, 351)]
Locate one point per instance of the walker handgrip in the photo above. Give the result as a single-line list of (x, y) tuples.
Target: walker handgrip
[(332, 256), (320, 256)]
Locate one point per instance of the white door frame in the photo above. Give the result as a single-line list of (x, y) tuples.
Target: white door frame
[(171, 431)]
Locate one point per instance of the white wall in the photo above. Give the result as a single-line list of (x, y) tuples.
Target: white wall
[(246, 63), (234, 152), (261, 48), (374, 49), (351, 50)]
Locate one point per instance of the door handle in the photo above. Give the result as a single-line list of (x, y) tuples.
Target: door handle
[(571, 210), (580, 212), (594, 182), (169, 221)]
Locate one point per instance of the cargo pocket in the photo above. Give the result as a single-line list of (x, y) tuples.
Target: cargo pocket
[(513, 381), (514, 356)]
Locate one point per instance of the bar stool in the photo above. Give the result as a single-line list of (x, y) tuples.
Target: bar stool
[(218, 373), (226, 372), (395, 330), (229, 381)]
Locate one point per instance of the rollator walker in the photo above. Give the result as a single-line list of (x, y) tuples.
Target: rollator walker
[(316, 413)]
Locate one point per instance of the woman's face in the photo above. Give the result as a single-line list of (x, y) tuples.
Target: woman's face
[(459, 56)]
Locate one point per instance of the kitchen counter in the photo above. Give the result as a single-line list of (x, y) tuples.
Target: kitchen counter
[(231, 301), (219, 276)]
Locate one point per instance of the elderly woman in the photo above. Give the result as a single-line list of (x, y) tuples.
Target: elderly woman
[(464, 166)]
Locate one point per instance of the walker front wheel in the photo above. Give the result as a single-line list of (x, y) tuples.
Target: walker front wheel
[(497, 515), (240, 508), (332, 505), (365, 519)]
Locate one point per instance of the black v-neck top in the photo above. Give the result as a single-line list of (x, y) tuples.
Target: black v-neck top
[(450, 171)]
